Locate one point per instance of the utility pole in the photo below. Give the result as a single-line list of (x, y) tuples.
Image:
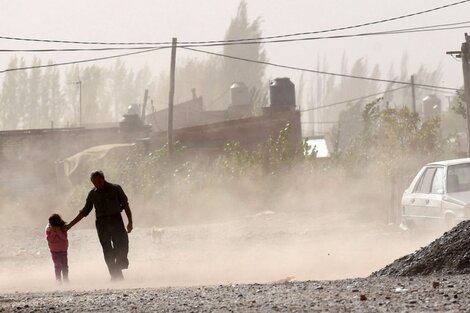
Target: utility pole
[(413, 94), (171, 99), (144, 105), (79, 83), (464, 54), (80, 101)]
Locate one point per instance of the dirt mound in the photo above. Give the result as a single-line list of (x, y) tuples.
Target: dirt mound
[(449, 254)]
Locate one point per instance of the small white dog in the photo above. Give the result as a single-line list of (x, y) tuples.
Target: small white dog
[(157, 233)]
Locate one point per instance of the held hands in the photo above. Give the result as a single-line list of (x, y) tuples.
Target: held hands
[(129, 227)]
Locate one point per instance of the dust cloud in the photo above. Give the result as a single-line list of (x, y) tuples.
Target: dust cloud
[(326, 225)]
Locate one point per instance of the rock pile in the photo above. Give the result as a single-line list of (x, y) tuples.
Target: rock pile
[(448, 255)]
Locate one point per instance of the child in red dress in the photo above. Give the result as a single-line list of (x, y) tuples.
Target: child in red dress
[(58, 243)]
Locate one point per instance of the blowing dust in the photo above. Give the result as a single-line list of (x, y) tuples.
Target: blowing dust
[(309, 227)]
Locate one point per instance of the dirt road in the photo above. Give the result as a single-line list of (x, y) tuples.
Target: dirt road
[(241, 258), (449, 294)]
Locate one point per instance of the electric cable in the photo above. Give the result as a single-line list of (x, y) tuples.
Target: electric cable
[(354, 99), (80, 61), (389, 32), (439, 27), (438, 91), (244, 39), (317, 71)]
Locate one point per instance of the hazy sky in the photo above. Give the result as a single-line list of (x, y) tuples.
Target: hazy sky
[(156, 20)]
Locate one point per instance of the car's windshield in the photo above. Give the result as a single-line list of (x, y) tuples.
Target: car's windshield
[(458, 178)]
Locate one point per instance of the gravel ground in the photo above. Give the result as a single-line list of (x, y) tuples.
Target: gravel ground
[(237, 262), (424, 294), (449, 254)]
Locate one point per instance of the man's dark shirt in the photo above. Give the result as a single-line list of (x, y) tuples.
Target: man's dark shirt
[(107, 201)]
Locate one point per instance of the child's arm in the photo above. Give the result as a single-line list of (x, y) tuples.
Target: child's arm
[(50, 233), (47, 231)]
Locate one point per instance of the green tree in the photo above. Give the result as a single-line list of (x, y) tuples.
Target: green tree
[(33, 97), (458, 104), (120, 78), (71, 94), (391, 137), (213, 76), (56, 105), (92, 84), (46, 85), (9, 97), (21, 106), (251, 74)]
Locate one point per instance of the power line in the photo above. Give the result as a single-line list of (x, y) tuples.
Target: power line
[(323, 122), (439, 27), (390, 32), (243, 39), (317, 71), (354, 99), (80, 61), (79, 49), (366, 24), (438, 91)]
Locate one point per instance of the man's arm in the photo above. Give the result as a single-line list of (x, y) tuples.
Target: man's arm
[(129, 218), (124, 202), (77, 219), (82, 213)]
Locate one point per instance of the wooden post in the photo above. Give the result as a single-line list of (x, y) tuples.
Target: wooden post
[(170, 125), (413, 94), (171, 98), (393, 187), (144, 105), (80, 102), (465, 54)]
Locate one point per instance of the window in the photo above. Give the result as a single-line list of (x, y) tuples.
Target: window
[(438, 181), (424, 185), (458, 178)]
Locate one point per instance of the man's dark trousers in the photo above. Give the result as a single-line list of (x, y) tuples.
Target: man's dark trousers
[(115, 242)]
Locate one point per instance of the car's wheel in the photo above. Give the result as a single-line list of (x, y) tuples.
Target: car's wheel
[(408, 229)]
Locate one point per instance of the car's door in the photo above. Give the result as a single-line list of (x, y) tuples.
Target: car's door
[(433, 201), (415, 202)]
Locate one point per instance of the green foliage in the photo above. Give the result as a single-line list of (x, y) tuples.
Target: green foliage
[(273, 157), (458, 104), (391, 142), (391, 137), (237, 161)]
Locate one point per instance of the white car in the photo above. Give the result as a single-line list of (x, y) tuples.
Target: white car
[(439, 195)]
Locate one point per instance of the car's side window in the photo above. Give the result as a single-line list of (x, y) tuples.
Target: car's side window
[(424, 185), (438, 181), (458, 178)]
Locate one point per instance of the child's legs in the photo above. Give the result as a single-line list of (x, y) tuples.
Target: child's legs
[(65, 266), (57, 259)]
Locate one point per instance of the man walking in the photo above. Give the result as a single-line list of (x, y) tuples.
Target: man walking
[(109, 200)]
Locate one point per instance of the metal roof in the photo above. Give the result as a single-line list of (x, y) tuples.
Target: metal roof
[(451, 162)]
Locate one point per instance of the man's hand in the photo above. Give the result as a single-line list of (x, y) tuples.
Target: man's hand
[(129, 228), (74, 221)]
